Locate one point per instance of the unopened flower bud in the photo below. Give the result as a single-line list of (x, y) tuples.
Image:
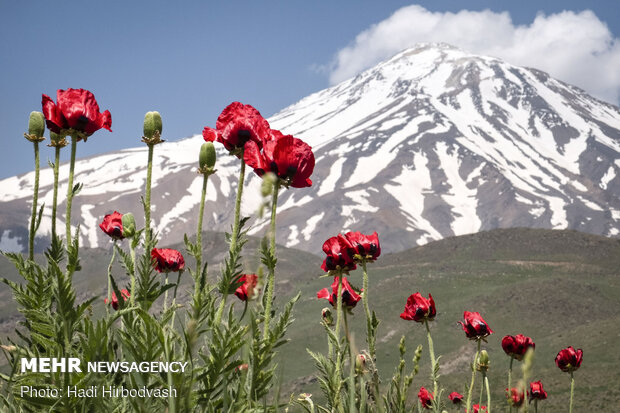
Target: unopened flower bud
[(152, 124), (483, 361), (36, 124), (206, 159), (129, 225), (360, 363), (269, 180), (305, 397), (326, 313)]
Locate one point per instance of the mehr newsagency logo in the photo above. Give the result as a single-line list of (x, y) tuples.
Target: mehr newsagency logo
[(74, 365)]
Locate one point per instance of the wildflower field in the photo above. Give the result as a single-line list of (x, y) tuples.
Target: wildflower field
[(354, 330)]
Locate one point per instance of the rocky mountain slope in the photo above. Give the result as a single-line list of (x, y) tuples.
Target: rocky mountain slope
[(432, 143)]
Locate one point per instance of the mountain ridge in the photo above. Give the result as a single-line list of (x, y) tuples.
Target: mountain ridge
[(431, 143)]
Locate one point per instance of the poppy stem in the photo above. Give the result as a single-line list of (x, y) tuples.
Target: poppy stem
[(510, 378), (205, 179), (572, 391), (233, 237), (35, 199), (338, 348), (371, 336), (70, 188), (486, 384), (369, 330), (473, 378), (481, 388), (132, 251), (166, 294), (272, 249), (110, 278), (147, 197), (235, 233), (431, 350), (536, 406), (174, 300), (55, 197)]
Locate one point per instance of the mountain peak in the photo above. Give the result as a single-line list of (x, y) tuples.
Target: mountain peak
[(431, 143)]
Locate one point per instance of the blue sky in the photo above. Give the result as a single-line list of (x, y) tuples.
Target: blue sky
[(189, 59)]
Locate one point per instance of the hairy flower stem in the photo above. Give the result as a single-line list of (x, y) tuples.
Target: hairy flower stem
[(486, 385), (473, 378), (510, 378), (272, 249), (351, 365), (107, 307), (235, 233), (572, 391), (132, 251), (203, 196), (431, 350), (174, 300), (55, 197), (35, 199), (234, 236), (481, 388), (171, 399), (536, 406), (370, 337), (339, 352), (166, 294), (70, 188), (147, 197)]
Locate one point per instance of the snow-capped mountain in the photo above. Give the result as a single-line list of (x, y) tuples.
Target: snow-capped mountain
[(432, 143)]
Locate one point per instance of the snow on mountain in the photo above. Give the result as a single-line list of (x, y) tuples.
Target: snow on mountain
[(432, 143)]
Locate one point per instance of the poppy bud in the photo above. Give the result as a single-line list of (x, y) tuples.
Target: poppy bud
[(206, 158), (129, 225), (326, 313), (360, 363), (483, 361), (152, 124), (10, 348), (36, 124), (269, 179)]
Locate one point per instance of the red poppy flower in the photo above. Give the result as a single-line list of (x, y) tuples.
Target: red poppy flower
[(515, 397), (456, 397), (289, 158), (419, 308), (75, 109), (337, 259), (167, 260), (516, 346), (366, 248), (349, 296), (479, 409), (112, 225), (474, 326), (537, 391), (125, 295), (237, 125), (246, 290), (569, 359), (426, 398)]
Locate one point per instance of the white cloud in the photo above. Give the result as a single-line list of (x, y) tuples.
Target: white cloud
[(577, 48)]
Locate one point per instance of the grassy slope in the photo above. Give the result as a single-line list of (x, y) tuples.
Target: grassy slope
[(559, 287)]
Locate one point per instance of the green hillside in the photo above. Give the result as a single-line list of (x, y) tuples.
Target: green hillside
[(559, 287)]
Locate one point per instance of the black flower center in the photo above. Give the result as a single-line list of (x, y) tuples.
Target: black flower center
[(81, 123)]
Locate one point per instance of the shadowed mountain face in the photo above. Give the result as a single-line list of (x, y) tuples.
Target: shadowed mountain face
[(432, 143)]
